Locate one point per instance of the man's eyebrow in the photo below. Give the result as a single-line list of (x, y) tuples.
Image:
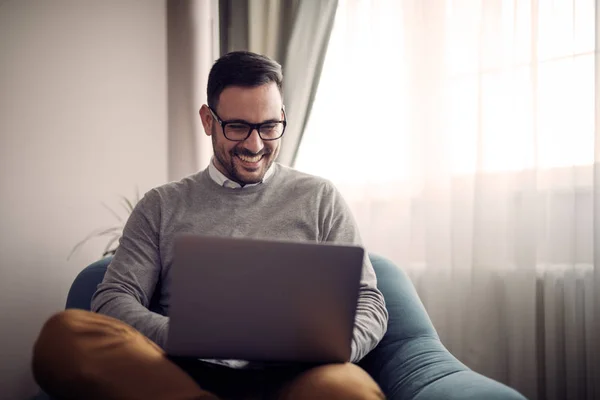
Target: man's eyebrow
[(247, 122), (271, 120)]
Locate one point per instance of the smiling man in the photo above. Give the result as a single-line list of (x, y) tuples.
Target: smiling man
[(245, 151), (116, 351)]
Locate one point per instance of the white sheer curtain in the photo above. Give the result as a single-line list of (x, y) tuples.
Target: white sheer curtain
[(462, 135)]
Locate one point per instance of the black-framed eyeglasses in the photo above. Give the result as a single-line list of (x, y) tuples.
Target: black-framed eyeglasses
[(238, 130)]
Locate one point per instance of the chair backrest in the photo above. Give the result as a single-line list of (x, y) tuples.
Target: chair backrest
[(85, 284)]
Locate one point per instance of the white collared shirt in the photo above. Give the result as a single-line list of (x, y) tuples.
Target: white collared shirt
[(224, 181)]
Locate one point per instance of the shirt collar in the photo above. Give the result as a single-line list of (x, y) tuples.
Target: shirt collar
[(222, 180)]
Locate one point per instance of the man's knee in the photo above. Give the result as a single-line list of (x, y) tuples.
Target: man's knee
[(59, 331), (61, 323), (335, 381), (54, 353)]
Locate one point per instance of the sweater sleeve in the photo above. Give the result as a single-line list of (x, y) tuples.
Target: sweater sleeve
[(132, 275), (371, 315)]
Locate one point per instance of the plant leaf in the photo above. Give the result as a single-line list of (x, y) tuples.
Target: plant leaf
[(113, 212), (97, 232), (110, 252), (110, 243), (128, 206)]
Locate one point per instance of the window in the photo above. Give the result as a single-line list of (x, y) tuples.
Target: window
[(477, 86)]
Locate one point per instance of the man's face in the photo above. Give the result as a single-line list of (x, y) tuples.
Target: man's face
[(244, 162)]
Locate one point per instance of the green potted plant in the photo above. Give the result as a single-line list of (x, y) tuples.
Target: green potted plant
[(112, 233)]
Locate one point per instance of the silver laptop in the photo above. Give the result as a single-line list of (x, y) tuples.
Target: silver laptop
[(260, 300)]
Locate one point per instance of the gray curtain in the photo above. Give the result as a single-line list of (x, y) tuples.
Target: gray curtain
[(594, 380), (293, 32), (192, 47)]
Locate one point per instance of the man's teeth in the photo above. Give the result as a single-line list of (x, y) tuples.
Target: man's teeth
[(249, 159)]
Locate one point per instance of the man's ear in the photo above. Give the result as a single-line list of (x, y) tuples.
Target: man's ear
[(207, 119)]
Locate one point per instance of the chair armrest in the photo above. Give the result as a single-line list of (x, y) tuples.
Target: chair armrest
[(421, 368), (410, 362)]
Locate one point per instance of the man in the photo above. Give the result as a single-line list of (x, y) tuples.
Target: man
[(117, 351)]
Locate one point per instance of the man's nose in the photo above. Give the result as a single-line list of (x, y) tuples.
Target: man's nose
[(253, 142)]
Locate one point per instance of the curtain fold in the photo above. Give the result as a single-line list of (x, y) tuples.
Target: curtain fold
[(295, 34), (192, 40), (302, 66), (593, 358), (462, 137)]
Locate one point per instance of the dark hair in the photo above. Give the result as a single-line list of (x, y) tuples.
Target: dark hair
[(241, 68)]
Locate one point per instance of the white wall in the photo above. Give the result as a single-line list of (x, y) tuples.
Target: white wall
[(83, 119)]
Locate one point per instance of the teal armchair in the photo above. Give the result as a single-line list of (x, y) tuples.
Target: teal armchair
[(410, 363)]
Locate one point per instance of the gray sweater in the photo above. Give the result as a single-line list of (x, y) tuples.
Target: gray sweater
[(289, 205)]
